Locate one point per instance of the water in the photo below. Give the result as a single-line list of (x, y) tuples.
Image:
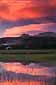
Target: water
[(31, 74)]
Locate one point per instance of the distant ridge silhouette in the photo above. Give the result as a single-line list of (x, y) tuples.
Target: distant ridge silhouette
[(40, 41)]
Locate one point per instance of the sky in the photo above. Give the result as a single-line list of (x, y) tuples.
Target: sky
[(27, 16)]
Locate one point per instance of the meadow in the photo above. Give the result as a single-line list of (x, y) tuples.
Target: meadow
[(28, 55)]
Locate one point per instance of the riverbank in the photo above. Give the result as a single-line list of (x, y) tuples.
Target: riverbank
[(28, 56)]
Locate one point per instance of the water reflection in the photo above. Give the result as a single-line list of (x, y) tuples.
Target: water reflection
[(32, 74), (25, 83)]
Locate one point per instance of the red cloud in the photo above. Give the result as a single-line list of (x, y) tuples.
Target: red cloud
[(18, 9), (11, 10), (45, 7)]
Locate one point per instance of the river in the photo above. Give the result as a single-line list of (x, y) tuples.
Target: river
[(29, 74)]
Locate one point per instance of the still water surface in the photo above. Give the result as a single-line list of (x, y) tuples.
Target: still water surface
[(31, 74)]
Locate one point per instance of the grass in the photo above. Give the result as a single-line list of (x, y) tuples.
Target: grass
[(28, 55)]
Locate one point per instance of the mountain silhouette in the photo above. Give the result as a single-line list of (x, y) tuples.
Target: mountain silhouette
[(47, 34), (40, 41)]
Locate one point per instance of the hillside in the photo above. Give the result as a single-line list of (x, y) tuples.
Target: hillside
[(47, 34), (43, 40)]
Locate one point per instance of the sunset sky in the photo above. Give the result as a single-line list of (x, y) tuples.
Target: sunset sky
[(27, 16)]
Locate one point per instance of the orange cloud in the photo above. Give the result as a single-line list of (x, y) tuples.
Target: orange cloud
[(17, 31)]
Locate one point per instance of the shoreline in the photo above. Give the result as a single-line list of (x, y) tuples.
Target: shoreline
[(28, 56), (46, 63)]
